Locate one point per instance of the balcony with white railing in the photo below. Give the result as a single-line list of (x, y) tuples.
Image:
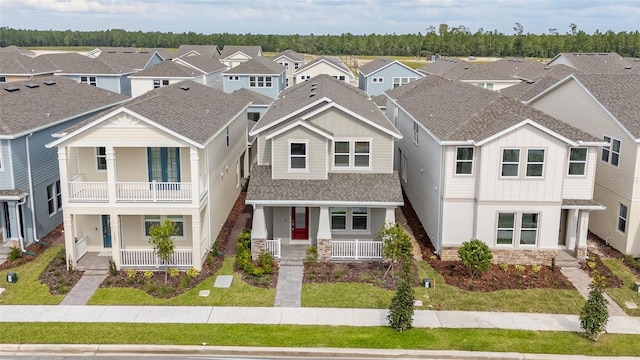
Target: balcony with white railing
[(356, 250), (154, 191)]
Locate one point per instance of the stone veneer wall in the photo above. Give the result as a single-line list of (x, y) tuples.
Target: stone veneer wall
[(581, 254), (257, 246), (511, 256), (324, 249)]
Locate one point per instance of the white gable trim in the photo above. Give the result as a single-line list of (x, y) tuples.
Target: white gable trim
[(110, 115), (523, 123), (310, 65), (255, 131), (296, 124), (357, 116), (238, 52), (389, 64), (572, 77), (184, 63), (151, 58)]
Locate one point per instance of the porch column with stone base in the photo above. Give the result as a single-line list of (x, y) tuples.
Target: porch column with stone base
[(258, 232), (324, 235), (581, 237)]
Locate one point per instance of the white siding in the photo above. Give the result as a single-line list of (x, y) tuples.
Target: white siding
[(459, 186), (581, 187), (458, 222), (323, 68)]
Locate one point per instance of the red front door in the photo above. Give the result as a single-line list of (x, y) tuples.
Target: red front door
[(299, 223)]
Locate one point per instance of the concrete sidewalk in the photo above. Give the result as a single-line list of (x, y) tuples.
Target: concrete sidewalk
[(303, 316)]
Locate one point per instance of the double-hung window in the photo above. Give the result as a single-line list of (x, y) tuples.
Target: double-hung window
[(611, 151), (535, 162), (529, 229), (260, 81), (362, 153), (506, 228), (622, 218), (464, 160), (298, 155), (577, 161), (54, 198), (522, 227), (349, 219), (352, 154), (91, 80), (510, 162), (398, 81), (341, 154), (416, 133), (155, 220), (160, 83), (101, 158)]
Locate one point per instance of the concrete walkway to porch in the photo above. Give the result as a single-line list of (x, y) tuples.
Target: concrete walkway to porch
[(85, 288), (581, 280), (289, 288)]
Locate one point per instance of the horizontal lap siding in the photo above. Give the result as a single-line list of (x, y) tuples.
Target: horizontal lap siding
[(6, 173), (316, 155)]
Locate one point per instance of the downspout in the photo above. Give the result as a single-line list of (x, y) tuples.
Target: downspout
[(31, 195), (20, 239)]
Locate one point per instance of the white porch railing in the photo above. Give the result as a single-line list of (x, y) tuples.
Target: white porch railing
[(356, 249), (81, 247), (203, 247), (148, 258), (153, 191), (88, 191), (273, 247)]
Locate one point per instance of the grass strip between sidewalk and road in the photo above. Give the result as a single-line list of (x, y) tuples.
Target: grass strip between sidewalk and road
[(320, 336)]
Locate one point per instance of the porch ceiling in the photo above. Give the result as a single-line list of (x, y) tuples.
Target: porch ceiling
[(338, 187)]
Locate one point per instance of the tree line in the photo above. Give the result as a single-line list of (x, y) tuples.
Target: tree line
[(445, 40)]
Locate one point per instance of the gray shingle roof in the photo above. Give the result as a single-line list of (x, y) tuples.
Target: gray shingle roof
[(331, 59), (290, 54), (169, 69), (596, 63), (252, 96), (12, 63), (619, 93), (338, 187), (475, 72), (455, 111), (527, 90), (252, 51), (16, 50), (31, 108), (441, 66), (258, 66), (299, 96), (580, 203), (204, 62), (518, 67), (211, 51), (64, 60), (375, 65), (197, 113), (96, 66)]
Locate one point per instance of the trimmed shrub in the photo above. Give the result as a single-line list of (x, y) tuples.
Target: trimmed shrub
[(476, 256)]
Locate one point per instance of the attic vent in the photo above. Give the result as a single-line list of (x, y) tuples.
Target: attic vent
[(313, 87), (49, 82), (312, 95), (111, 52), (628, 67), (530, 81), (547, 67), (31, 85), (520, 60), (466, 68), (12, 88), (314, 84), (184, 87)]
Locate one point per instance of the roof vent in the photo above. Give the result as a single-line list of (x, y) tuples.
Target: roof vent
[(521, 60), (466, 67), (31, 85), (547, 67), (12, 88), (314, 84), (184, 87), (628, 67), (49, 82), (530, 81), (312, 95)]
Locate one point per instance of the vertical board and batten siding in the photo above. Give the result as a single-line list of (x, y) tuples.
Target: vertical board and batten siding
[(460, 186), (344, 126), (548, 223), (547, 188), (581, 187), (317, 148), (6, 172), (222, 167), (571, 104), (423, 173)]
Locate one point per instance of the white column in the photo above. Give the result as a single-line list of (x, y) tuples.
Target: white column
[(259, 226), (195, 176), (572, 228), (64, 174), (324, 224), (69, 242), (390, 215), (111, 173), (116, 241), (583, 227), (196, 237)]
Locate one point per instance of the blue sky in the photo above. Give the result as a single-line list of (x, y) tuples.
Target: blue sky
[(320, 16)]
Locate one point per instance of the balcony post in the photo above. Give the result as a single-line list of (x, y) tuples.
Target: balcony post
[(195, 241), (324, 234), (116, 241), (111, 173), (64, 175), (195, 175)]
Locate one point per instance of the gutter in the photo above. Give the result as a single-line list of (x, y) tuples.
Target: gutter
[(20, 239), (31, 195)]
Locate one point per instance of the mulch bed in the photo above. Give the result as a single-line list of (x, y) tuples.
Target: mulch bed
[(371, 273), (494, 279), (265, 281), (225, 243), (55, 237), (610, 279), (56, 276), (599, 248)]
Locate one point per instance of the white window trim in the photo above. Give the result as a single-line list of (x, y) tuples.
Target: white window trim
[(517, 229), (416, 133), (377, 80), (1, 158), (609, 148), (626, 219), (349, 222), (502, 163), (456, 161), (264, 81), (53, 198), (569, 161), (306, 155), (89, 80), (527, 163), (101, 156), (403, 166), (161, 220), (352, 154), (402, 79), (234, 78)]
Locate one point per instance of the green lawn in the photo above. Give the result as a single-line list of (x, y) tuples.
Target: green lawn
[(239, 294), (627, 291), (346, 295), (29, 290), (321, 336)]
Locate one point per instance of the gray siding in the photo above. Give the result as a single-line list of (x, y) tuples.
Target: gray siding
[(278, 84), (6, 173), (388, 73)]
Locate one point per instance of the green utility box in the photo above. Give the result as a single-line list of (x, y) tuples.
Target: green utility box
[(12, 278), (426, 283), (638, 287)]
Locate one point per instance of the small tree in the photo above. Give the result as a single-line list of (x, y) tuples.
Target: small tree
[(401, 310), (160, 237), (595, 314), (476, 256), (396, 243)]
